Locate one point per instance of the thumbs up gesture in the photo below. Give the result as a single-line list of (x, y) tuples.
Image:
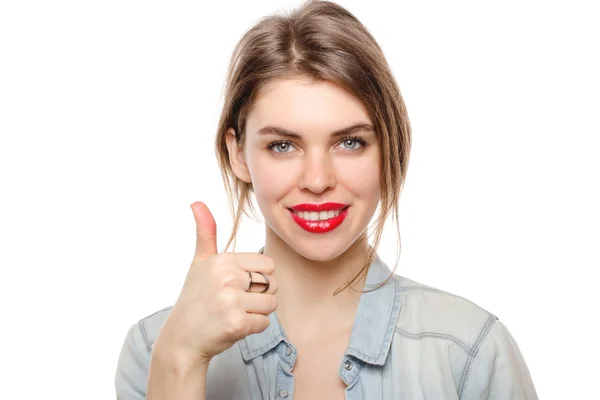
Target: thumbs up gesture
[(217, 305)]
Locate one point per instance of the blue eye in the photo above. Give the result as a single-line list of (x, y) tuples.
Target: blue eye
[(280, 147), (351, 143)]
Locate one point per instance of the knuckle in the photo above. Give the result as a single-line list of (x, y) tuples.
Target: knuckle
[(236, 325), (228, 299), (228, 279)]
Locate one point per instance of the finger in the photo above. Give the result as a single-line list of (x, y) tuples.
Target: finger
[(259, 284), (254, 262), (257, 323), (206, 230), (240, 279), (259, 303)]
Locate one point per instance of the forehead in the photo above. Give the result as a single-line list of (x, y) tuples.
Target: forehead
[(306, 106)]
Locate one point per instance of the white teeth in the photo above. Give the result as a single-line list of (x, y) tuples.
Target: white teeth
[(318, 216)]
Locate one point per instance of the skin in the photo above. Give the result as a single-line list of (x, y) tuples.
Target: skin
[(314, 168)]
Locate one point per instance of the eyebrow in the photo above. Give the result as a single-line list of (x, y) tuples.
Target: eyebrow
[(270, 129)]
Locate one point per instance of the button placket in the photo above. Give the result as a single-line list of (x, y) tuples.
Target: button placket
[(350, 369), (285, 377), (287, 352)]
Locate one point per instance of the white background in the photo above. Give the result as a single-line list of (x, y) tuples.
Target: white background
[(108, 111)]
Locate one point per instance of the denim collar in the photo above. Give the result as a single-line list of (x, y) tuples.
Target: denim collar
[(373, 328)]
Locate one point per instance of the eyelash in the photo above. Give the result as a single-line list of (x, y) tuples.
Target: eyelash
[(357, 139)]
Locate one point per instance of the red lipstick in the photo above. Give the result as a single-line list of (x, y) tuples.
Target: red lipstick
[(319, 226), (319, 207)]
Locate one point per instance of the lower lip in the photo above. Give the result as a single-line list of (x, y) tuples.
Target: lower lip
[(320, 226)]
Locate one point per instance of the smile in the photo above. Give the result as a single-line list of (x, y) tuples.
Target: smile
[(317, 215), (319, 218)]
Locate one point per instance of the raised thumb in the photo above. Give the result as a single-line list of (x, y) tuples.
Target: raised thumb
[(206, 230)]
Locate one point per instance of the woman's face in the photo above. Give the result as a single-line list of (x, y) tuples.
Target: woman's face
[(311, 167)]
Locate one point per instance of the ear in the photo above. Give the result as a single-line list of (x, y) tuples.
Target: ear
[(236, 157)]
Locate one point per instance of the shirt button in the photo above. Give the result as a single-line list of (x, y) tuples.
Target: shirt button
[(347, 365), (288, 351), (283, 394)]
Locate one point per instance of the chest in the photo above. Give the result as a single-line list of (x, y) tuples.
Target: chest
[(316, 371), (415, 369)]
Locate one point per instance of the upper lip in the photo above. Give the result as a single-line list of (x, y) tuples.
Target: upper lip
[(319, 207)]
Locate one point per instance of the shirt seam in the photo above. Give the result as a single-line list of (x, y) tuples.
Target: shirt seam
[(467, 368), (435, 335), (142, 322), (145, 337), (140, 326)]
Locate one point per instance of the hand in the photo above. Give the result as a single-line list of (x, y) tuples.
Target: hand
[(214, 309)]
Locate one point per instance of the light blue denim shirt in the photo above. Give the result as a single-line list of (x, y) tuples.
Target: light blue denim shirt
[(408, 341)]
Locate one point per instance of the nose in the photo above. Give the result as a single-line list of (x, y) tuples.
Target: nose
[(318, 173)]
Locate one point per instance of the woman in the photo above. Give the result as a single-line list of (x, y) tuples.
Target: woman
[(315, 128)]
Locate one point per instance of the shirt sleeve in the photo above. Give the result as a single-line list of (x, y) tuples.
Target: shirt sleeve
[(498, 370), (131, 376)]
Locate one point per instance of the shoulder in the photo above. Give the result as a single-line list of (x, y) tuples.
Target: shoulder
[(150, 325), (485, 359), (427, 311), (145, 330), (134, 358)]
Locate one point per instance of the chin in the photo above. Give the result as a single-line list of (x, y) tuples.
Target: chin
[(322, 252)]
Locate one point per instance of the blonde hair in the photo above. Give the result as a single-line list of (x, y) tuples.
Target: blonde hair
[(320, 41)]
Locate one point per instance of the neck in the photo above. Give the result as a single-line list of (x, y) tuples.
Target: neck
[(306, 301)]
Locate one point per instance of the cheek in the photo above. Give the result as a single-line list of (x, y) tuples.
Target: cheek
[(271, 181), (361, 177)]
